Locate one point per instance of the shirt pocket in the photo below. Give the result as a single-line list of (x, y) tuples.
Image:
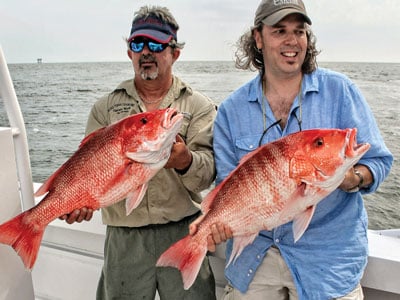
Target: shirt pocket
[(187, 118), (247, 144)]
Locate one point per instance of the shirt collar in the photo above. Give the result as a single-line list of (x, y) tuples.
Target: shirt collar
[(178, 88), (309, 84)]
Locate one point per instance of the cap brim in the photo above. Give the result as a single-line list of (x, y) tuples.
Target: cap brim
[(280, 14), (155, 35)]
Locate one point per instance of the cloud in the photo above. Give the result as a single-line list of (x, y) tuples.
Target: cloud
[(93, 30)]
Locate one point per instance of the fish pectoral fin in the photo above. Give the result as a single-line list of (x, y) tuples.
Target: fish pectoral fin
[(301, 222), (239, 243), (292, 202), (149, 157), (134, 198)]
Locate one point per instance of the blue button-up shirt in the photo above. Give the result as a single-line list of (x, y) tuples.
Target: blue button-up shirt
[(329, 259)]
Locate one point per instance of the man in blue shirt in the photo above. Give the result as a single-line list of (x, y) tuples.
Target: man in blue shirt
[(292, 93)]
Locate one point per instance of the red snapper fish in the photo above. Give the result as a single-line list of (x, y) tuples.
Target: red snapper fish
[(113, 163), (279, 182)]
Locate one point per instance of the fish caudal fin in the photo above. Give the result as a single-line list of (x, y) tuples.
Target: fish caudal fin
[(185, 255), (24, 237)]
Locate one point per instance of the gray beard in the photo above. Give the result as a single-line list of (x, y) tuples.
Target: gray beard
[(147, 75)]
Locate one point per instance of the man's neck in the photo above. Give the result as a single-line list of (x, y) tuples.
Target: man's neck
[(280, 94), (152, 92)]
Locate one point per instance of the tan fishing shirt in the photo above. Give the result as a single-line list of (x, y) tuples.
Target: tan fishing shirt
[(170, 196)]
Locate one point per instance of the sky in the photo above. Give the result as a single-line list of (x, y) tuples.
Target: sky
[(94, 30)]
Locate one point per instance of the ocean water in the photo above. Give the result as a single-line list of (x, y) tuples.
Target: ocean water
[(56, 98)]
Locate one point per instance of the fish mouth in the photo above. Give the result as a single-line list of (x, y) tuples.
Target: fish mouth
[(172, 117), (352, 149)]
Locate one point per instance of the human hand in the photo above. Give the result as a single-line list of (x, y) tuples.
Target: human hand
[(352, 182), (181, 157), (78, 215), (219, 233)]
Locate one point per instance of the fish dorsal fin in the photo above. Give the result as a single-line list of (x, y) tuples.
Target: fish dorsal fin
[(209, 199), (90, 136), (46, 186), (301, 222), (134, 198), (239, 243)]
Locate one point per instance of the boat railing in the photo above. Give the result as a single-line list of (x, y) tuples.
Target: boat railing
[(14, 114), (16, 188)]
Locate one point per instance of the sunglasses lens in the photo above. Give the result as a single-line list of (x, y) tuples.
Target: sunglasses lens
[(137, 47), (156, 47)]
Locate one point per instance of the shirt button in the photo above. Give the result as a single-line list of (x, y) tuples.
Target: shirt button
[(258, 257), (251, 146), (277, 241)]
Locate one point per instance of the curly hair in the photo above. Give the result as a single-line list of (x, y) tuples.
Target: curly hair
[(248, 57)]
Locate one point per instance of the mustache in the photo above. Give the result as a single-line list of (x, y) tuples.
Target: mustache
[(147, 58)]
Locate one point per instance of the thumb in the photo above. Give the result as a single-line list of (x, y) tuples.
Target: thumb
[(179, 139), (193, 226), (192, 229)]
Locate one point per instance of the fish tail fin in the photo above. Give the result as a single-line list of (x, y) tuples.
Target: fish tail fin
[(24, 237), (185, 255)]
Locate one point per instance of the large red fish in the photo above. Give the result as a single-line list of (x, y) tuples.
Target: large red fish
[(111, 164), (273, 185)]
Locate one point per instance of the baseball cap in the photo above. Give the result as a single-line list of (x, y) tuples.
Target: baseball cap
[(153, 28), (271, 12)]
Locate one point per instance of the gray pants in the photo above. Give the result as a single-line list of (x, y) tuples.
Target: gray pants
[(129, 271)]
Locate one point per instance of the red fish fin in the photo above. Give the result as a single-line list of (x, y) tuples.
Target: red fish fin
[(209, 199), (239, 243), (301, 222), (134, 198), (89, 137), (45, 187), (290, 206), (24, 237), (185, 255)]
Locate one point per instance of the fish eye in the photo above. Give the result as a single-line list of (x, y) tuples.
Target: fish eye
[(319, 142), (143, 120)]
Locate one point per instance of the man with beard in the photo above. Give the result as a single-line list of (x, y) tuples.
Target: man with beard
[(134, 242)]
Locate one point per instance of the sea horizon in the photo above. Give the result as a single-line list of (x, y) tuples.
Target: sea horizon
[(186, 60)]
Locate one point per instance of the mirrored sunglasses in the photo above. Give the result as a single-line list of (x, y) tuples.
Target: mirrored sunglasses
[(138, 46)]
